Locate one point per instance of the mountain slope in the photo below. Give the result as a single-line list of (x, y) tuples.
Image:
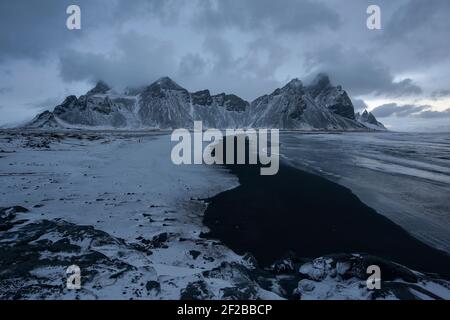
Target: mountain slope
[(166, 105), (309, 108)]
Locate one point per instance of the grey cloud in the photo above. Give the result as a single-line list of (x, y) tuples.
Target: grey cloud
[(220, 49), (393, 109), (35, 29), (166, 11), (7, 72), (434, 114), (440, 94), (404, 87), (26, 27), (359, 71), (290, 16), (242, 46), (248, 75), (422, 27), (138, 60), (359, 104), (5, 90), (45, 104), (191, 65), (261, 58), (415, 15)]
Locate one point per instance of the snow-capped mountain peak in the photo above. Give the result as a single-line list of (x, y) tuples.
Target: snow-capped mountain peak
[(167, 84), (294, 84), (100, 88), (164, 104)]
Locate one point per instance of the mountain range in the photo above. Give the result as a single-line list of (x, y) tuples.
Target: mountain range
[(166, 105)]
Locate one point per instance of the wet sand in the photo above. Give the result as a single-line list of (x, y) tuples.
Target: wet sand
[(296, 211)]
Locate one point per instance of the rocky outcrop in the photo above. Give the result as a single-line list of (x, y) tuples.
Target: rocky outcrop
[(369, 120)]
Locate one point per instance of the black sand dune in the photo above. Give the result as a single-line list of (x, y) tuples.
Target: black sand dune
[(269, 216)]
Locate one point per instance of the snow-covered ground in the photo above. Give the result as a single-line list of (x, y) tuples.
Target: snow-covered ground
[(116, 206), (404, 176), (126, 186)]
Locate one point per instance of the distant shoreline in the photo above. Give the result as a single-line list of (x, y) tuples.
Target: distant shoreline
[(168, 131)]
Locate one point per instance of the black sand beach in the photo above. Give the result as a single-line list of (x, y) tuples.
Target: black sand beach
[(295, 211)]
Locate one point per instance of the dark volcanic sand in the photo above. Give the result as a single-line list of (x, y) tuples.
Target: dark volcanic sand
[(269, 216)]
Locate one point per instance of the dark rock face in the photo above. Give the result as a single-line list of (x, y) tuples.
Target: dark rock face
[(334, 98), (8, 217), (194, 254), (196, 291), (153, 285), (241, 292), (343, 106), (202, 98), (371, 119), (231, 102), (297, 112)]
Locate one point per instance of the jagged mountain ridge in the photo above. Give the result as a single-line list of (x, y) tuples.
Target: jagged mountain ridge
[(166, 105), (369, 120), (295, 106)]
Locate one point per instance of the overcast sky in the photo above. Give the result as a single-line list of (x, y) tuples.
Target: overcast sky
[(246, 47)]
